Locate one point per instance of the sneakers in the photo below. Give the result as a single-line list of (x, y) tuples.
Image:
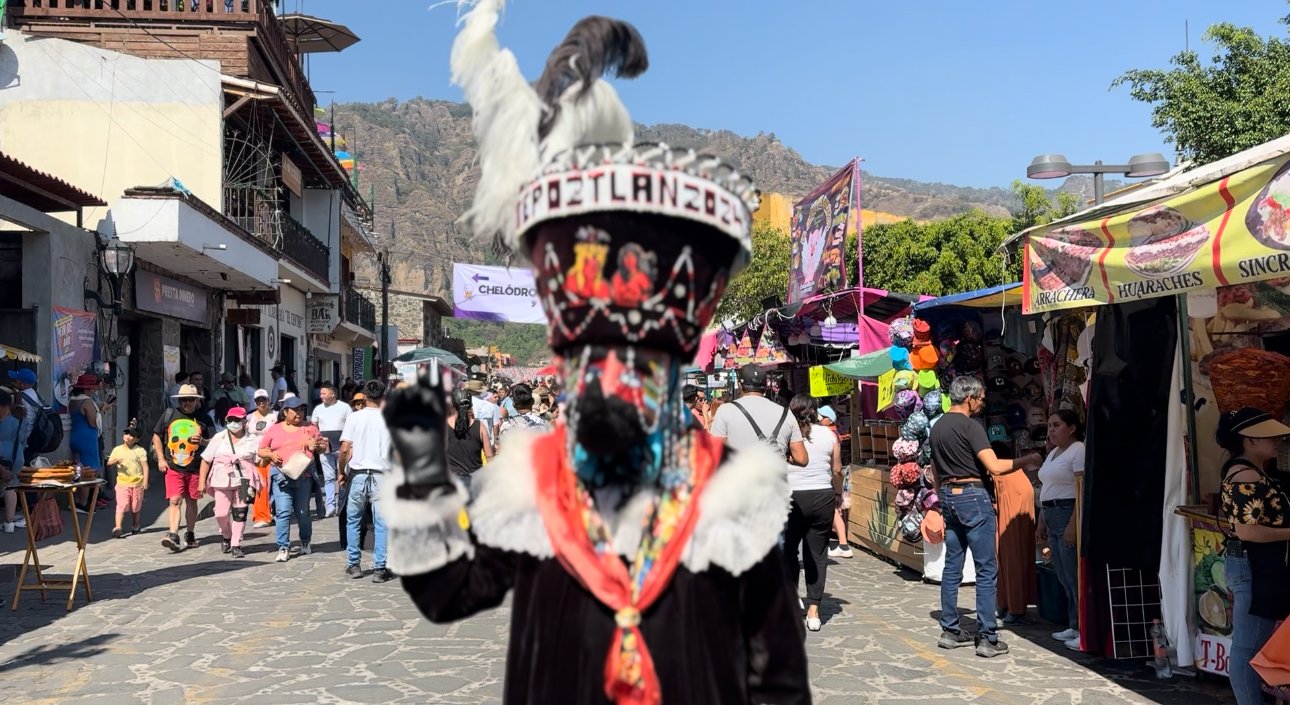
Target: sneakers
[(382, 575), (354, 570), (237, 552), (19, 523), (225, 546), (1066, 635), (953, 640), (331, 513), (171, 541), (136, 530), (306, 549), (294, 549), (1074, 644), (1017, 620), (116, 534), (284, 555), (813, 624), (989, 649), (190, 540), (840, 551), (7, 527), (260, 525)]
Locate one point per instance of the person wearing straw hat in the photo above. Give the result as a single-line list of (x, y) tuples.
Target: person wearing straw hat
[(658, 544), (178, 440)]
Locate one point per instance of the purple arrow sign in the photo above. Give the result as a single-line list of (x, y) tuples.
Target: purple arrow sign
[(479, 277)]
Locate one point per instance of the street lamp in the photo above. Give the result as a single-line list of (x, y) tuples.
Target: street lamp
[(1055, 166), (116, 260)]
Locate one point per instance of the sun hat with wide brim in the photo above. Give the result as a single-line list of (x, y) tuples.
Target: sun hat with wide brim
[(1252, 423), (933, 527), (89, 380), (293, 403), (188, 391)]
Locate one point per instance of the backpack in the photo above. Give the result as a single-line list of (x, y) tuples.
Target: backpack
[(46, 429)]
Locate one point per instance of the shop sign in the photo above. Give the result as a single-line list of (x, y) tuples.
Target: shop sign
[(242, 316), (360, 363), (324, 314), (291, 177), (1212, 653), (1232, 231), (157, 294), (818, 235), (1213, 598), (827, 383), (886, 389)]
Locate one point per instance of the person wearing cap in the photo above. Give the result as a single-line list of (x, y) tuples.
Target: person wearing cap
[(228, 466), (258, 422), (962, 462), (229, 389), (279, 391), (293, 435), (641, 557), (130, 461), (177, 441), (754, 418), (842, 508), (1257, 548)]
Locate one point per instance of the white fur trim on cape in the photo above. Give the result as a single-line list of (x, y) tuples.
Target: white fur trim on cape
[(424, 534), (741, 512)]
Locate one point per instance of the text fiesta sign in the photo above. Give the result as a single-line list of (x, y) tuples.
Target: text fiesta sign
[(485, 293)]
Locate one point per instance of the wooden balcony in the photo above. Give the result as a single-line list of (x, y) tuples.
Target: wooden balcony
[(198, 29)]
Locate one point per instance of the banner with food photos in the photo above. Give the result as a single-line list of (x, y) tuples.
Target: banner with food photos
[(818, 235), (1232, 231)]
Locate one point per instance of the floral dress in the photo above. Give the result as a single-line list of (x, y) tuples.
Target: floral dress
[(1261, 502)]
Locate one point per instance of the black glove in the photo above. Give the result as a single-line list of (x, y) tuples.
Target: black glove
[(415, 416)]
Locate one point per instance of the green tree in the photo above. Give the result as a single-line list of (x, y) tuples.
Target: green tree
[(939, 257), (1036, 207), (766, 276), (1237, 100)]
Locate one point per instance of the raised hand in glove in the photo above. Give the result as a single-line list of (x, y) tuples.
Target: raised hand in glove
[(415, 416)]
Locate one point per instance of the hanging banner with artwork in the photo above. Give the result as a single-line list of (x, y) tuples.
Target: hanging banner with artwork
[(495, 294), (745, 352), (817, 241), (75, 349), (1232, 231), (770, 351)]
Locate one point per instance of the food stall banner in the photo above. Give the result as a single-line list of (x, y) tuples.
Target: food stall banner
[(818, 235), (827, 383), (770, 351), (744, 352), (76, 335), (1231, 231), (495, 294)]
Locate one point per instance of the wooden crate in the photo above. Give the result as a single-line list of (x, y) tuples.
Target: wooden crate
[(873, 518)]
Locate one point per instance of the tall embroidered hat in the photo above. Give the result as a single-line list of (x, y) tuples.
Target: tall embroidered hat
[(630, 244)]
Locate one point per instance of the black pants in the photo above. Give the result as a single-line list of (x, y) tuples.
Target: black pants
[(342, 507), (810, 518)]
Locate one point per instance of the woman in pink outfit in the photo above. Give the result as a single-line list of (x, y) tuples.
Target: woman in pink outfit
[(227, 462)]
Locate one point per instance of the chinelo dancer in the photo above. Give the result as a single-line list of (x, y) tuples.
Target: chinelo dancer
[(642, 554)]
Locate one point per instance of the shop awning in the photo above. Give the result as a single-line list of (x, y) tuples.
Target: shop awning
[(1219, 224), (989, 297), (9, 352), (869, 366)]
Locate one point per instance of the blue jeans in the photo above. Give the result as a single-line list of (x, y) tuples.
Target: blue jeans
[(291, 497), (1249, 633), (1065, 560), (970, 523), (328, 461), (365, 489)]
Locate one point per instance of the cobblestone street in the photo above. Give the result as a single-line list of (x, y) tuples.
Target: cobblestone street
[(200, 628)]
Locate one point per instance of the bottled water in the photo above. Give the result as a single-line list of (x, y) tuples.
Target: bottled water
[(1161, 650)]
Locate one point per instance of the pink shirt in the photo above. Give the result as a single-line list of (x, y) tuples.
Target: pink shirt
[(287, 443)]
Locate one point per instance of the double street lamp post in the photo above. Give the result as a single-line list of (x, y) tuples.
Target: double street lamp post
[(1055, 166)]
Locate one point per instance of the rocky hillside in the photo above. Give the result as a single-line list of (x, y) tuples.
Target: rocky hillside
[(419, 160)]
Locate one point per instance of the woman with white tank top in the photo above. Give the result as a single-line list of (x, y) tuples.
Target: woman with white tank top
[(810, 515)]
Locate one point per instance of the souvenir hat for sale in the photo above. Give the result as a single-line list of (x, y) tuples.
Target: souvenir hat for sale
[(1031, 366), (904, 379), (906, 400), (927, 380), (924, 356), (1035, 416), (968, 357), (901, 332), (1014, 367), (998, 433), (899, 357), (972, 332), (905, 449), (932, 404), (1017, 416), (922, 332), (996, 382), (916, 426), (933, 527)]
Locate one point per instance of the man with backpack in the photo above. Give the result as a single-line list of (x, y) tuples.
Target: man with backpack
[(755, 419), (42, 429)]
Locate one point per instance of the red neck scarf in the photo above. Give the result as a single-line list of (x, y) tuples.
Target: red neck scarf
[(630, 678)]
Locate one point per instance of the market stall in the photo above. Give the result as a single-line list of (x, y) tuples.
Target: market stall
[(1192, 279)]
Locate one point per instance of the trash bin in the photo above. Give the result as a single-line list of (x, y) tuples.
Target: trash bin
[(1052, 597)]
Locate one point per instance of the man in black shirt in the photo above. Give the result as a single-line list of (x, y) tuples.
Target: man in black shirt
[(963, 462)]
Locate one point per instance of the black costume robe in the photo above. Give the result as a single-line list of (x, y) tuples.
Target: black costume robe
[(727, 630)]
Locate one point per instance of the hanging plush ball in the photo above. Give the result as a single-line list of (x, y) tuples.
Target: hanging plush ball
[(932, 404), (899, 358), (972, 331), (916, 427), (901, 332), (905, 449), (905, 379)]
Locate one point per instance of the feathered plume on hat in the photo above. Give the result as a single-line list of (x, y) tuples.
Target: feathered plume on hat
[(571, 106)]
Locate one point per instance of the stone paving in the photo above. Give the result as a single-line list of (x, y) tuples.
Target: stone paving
[(199, 628)]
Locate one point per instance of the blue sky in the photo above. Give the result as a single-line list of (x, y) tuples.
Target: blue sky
[(963, 93)]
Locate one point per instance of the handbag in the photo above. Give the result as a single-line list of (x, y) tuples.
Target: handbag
[(1273, 660), (297, 465), (49, 522)]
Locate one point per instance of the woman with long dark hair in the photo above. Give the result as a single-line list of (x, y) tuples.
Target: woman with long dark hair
[(1256, 563), (810, 515), (468, 444), (1057, 511)]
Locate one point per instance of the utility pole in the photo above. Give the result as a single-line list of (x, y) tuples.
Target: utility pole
[(385, 304)]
